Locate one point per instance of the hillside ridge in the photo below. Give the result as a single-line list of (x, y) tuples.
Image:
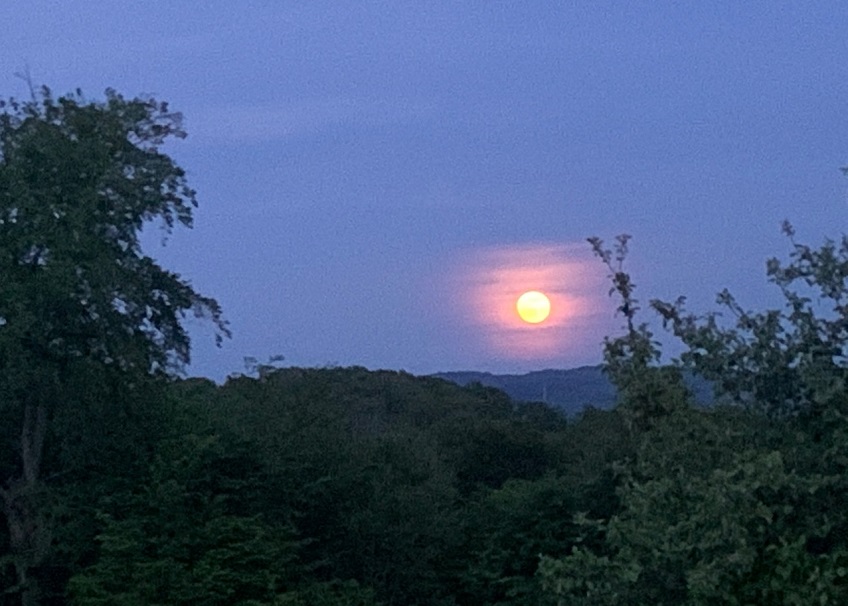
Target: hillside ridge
[(571, 390)]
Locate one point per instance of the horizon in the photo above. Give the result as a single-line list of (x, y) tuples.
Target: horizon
[(249, 373)]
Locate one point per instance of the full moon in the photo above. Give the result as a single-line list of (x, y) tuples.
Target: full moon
[(533, 307)]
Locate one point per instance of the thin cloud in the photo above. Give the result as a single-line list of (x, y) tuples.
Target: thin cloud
[(488, 282), (264, 123)]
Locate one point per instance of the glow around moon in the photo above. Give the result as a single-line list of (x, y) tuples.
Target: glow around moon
[(485, 290), (533, 307)]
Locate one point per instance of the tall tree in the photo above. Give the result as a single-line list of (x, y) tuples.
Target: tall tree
[(78, 180)]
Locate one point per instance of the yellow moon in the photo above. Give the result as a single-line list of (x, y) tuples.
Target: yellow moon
[(533, 307)]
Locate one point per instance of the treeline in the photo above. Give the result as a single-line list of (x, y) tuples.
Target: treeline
[(328, 486), (348, 486)]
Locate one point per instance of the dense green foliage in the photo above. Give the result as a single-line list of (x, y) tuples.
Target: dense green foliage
[(744, 503), (89, 325), (122, 484)]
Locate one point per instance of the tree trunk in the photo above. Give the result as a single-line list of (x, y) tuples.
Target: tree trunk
[(23, 506)]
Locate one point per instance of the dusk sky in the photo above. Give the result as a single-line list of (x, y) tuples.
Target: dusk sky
[(379, 181)]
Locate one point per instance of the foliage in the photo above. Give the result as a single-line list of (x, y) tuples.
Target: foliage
[(366, 460), (79, 298), (512, 526), (647, 390), (184, 538), (706, 521), (729, 505), (78, 180), (784, 362)]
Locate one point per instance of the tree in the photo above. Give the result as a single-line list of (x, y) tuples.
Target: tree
[(711, 513), (188, 535), (731, 505), (647, 390), (786, 361), (78, 180), (507, 530)]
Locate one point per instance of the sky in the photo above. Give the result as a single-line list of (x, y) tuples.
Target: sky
[(379, 181)]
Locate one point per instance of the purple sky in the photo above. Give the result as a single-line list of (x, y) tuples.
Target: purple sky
[(365, 173)]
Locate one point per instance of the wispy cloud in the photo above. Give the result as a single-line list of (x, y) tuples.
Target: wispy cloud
[(303, 119)]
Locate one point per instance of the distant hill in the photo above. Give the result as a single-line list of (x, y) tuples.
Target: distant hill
[(571, 390)]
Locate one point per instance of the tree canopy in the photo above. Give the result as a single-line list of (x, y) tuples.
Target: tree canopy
[(78, 181)]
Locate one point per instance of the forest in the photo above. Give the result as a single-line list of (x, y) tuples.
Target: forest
[(122, 483)]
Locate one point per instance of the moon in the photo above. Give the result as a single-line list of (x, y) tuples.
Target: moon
[(533, 307)]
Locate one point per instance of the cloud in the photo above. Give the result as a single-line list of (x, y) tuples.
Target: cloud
[(487, 283), (303, 119)]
